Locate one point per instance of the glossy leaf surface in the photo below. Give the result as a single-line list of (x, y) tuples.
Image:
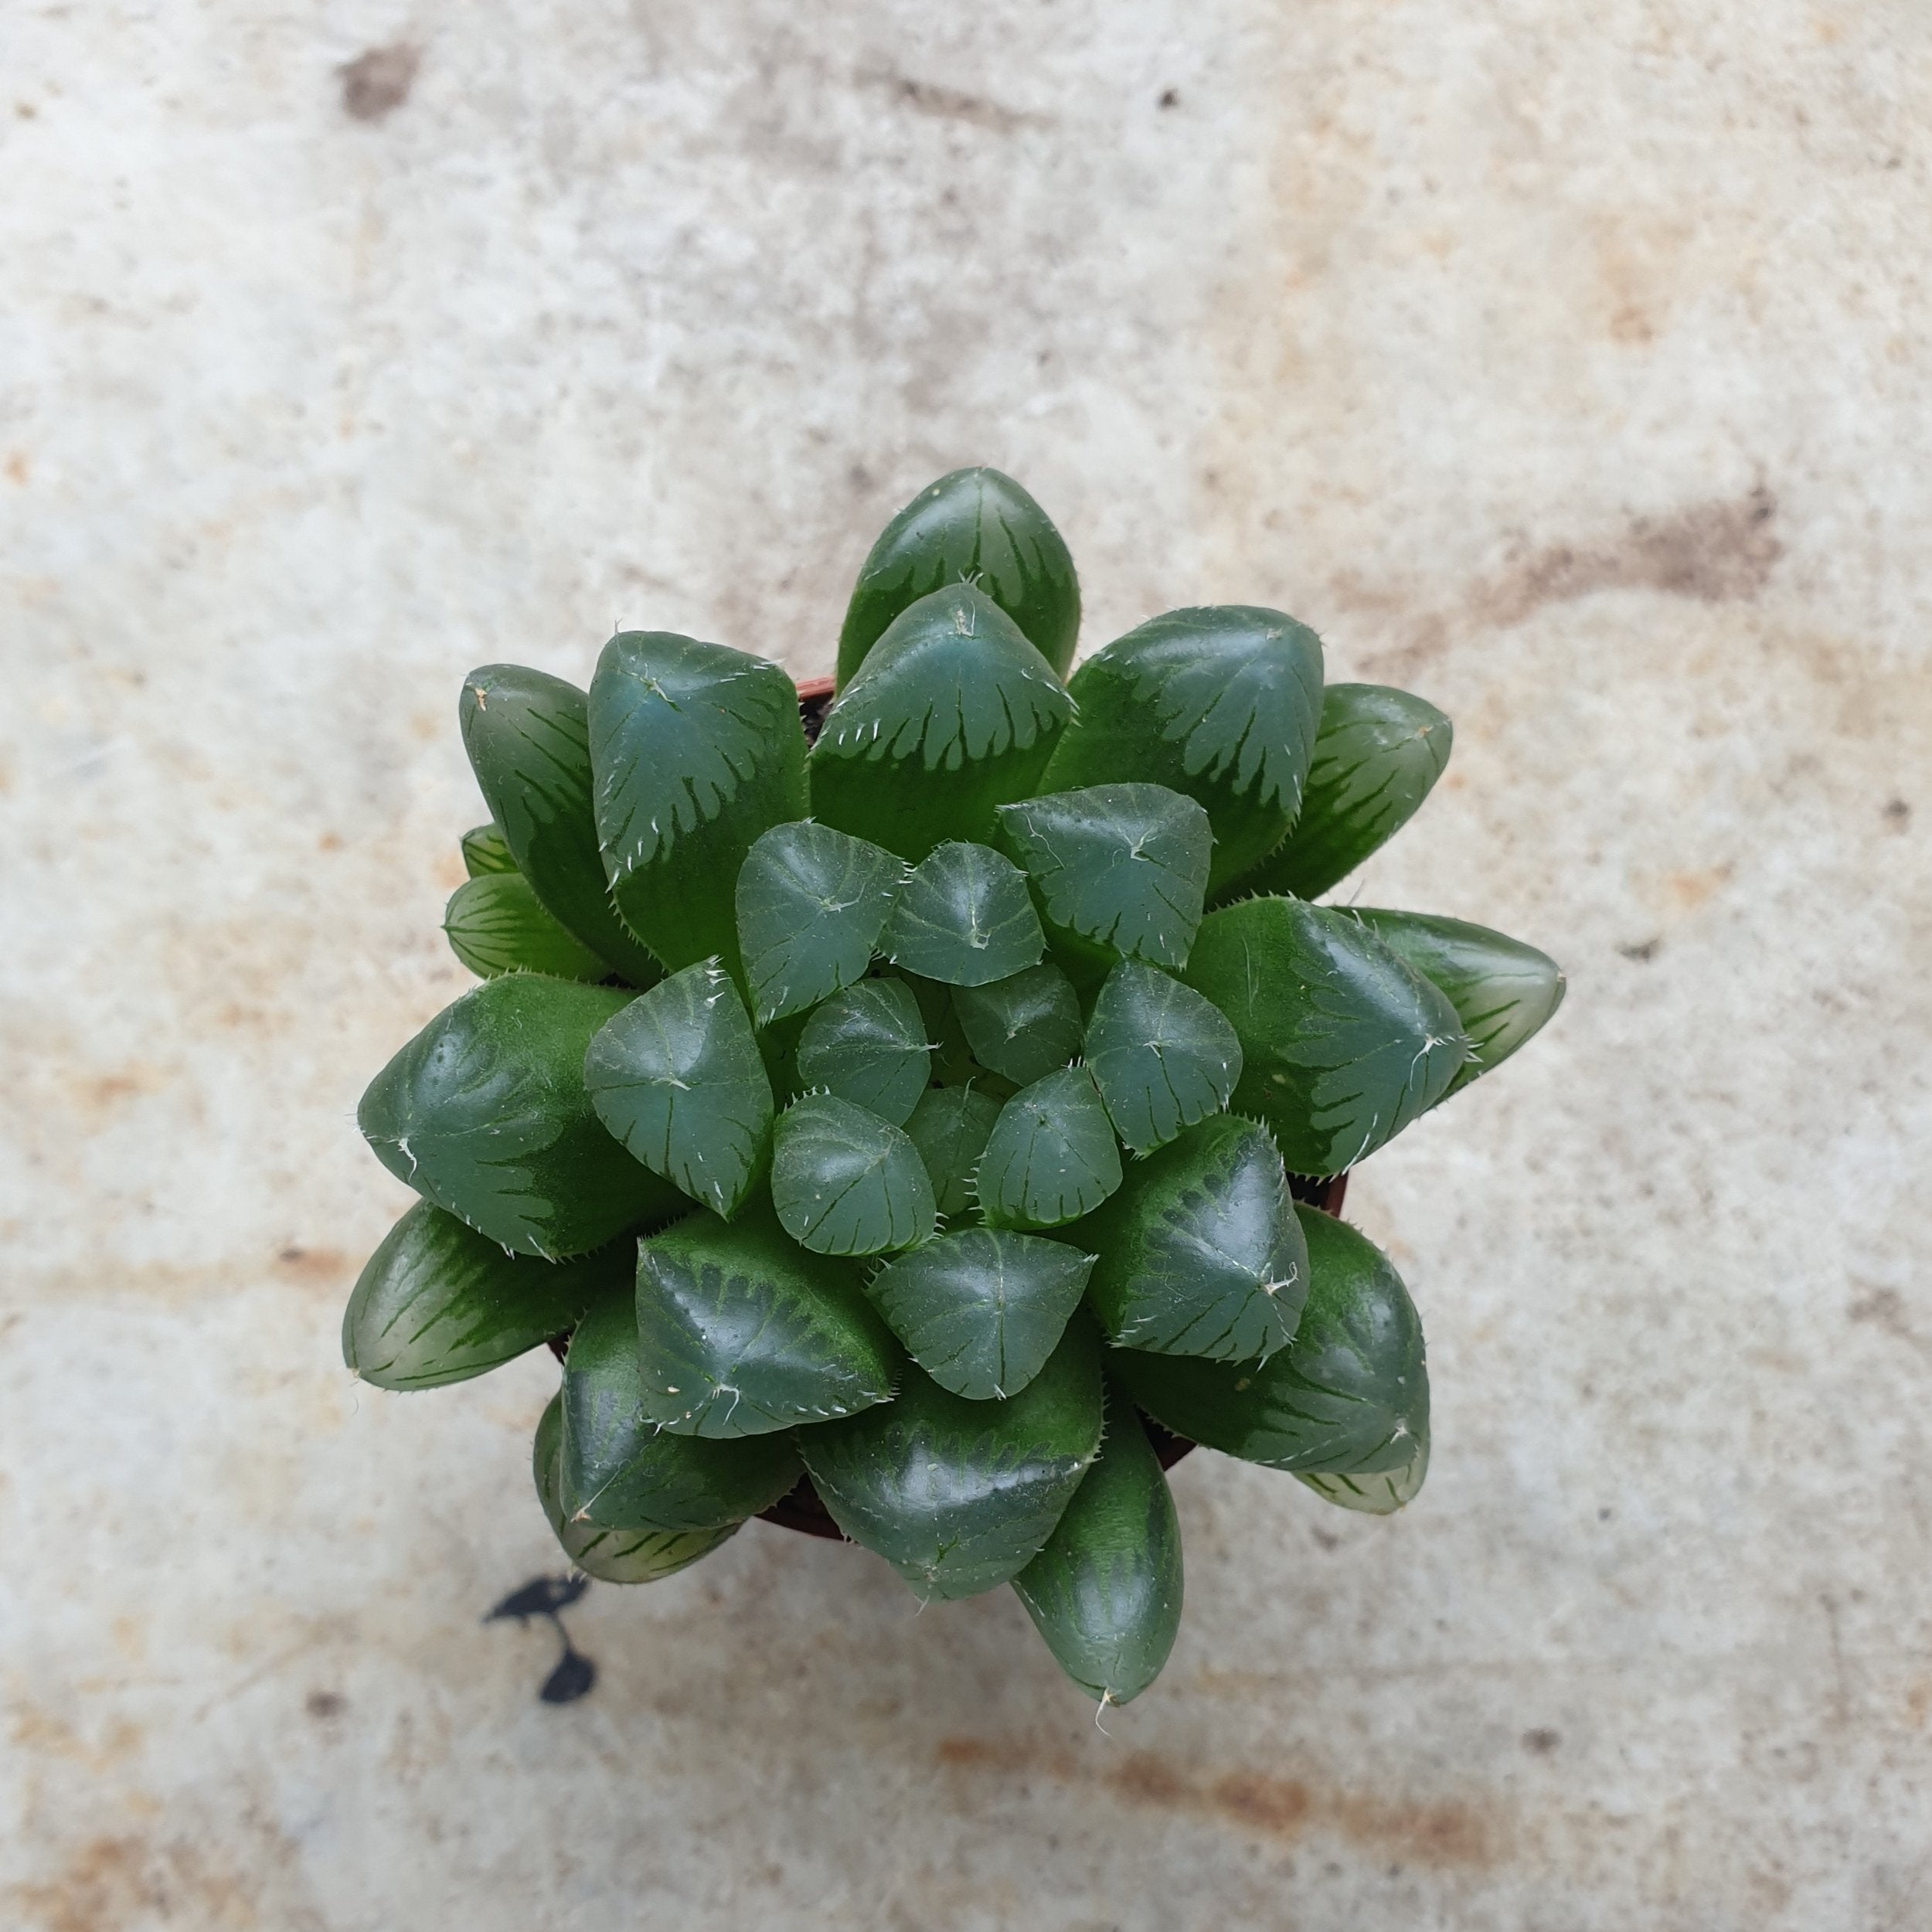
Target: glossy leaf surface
[(740, 1332), (1023, 1027), (867, 1045), (495, 923), (812, 905), (964, 918), (1342, 1045), (1051, 1156), (1105, 1592), (845, 1181), (981, 1312), (950, 1127), (677, 1077), (974, 526), (485, 1113), (959, 1496), (438, 1302), (485, 850), (1162, 1056)]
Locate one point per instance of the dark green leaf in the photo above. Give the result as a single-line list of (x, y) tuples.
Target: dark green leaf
[(965, 917), (677, 1077), (697, 750), (843, 1181), (621, 1469), (613, 1555), (1378, 754), (1105, 1592), (1200, 1251), (952, 714), (1347, 1402), (1051, 1156), (525, 732), (485, 850), (1022, 1027), (981, 1312), (974, 526), (495, 923), (868, 1046), (1162, 1056), (1503, 992), (959, 1496), (1123, 866), (812, 905), (740, 1333), (439, 1303), (1342, 1045), (1221, 703), (485, 1113), (949, 1127)]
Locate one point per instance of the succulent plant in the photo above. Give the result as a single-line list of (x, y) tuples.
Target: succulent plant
[(930, 1114)]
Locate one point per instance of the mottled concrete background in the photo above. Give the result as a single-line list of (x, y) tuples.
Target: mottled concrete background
[(1569, 364)]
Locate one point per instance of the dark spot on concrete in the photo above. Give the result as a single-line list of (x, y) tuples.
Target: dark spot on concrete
[(1327, 1539), (1884, 1308), (1149, 1780), (323, 1705), (1644, 951), (314, 1264), (1603, 1515), (377, 83), (1267, 1804), (1170, 97), (1540, 1742), (1897, 814), (949, 103)]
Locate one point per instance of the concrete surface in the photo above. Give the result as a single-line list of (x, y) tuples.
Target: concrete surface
[(1568, 364)]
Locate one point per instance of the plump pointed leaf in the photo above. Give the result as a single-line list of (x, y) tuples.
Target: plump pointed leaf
[(868, 1046), (959, 1496), (1051, 1156), (527, 737), (740, 1333), (845, 1181), (677, 1077), (952, 714), (1162, 1056), (1022, 1027), (1348, 1399), (1220, 703), (697, 751), (485, 1113), (439, 1303), (1342, 1045), (1124, 867), (812, 905), (621, 1469), (1378, 754), (981, 1311), (495, 923), (1200, 1251), (484, 851), (950, 1127), (974, 526), (1105, 1592), (1503, 992), (612, 1556), (964, 918)]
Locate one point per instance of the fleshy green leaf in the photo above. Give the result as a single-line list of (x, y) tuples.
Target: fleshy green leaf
[(1342, 1045), (677, 1077), (495, 923), (698, 751), (1503, 992), (485, 1113), (950, 1127), (959, 1496), (952, 714), (868, 1046), (1162, 1056), (845, 1181), (526, 735), (1378, 752), (1123, 866), (1200, 1251), (1051, 1156), (1347, 1401), (740, 1333), (439, 1303), (965, 917), (612, 1556), (621, 1469), (1105, 1592), (981, 1311), (974, 526), (1024, 1026), (1220, 703), (485, 850), (812, 906)]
